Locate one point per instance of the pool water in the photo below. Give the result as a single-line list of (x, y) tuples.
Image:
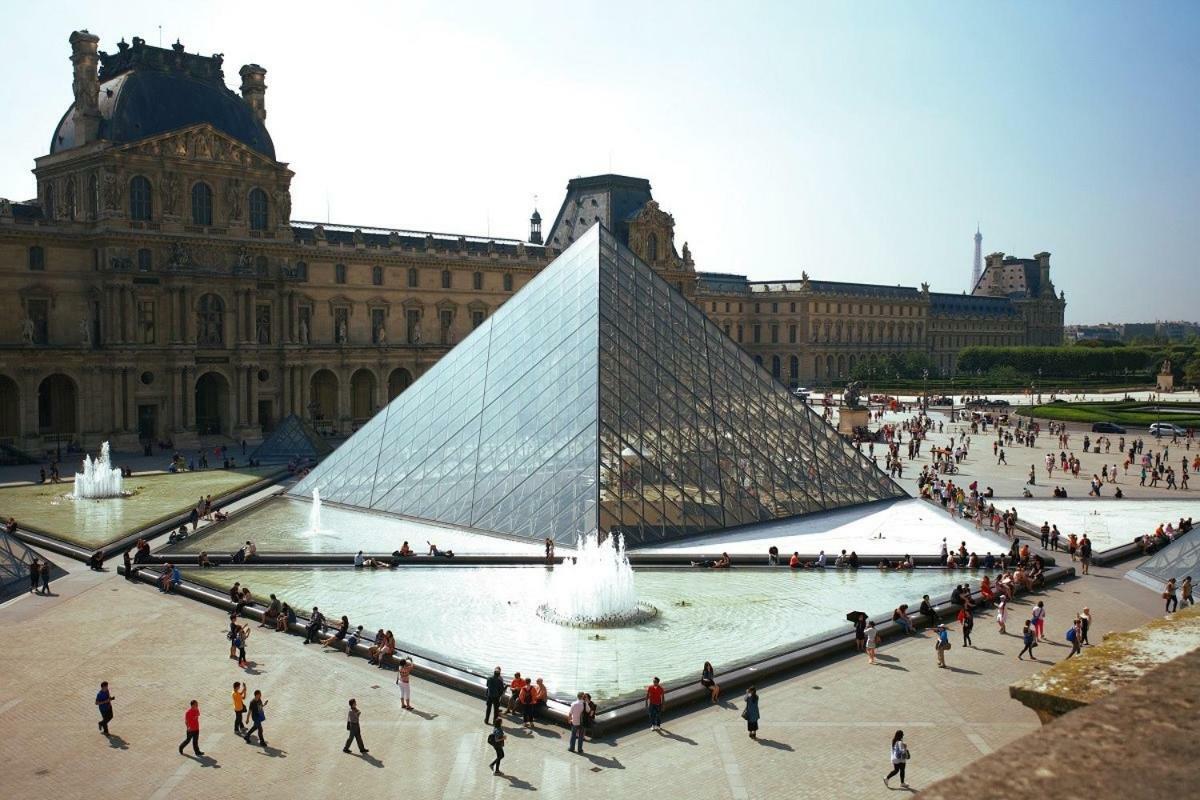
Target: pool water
[(475, 618), (281, 525)]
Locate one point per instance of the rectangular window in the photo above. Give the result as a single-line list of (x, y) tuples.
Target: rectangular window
[(774, 334), (726, 328), (145, 260), (341, 325), (412, 319), (378, 330), (146, 320), (477, 281), (477, 318), (377, 276), (446, 320), (739, 332), (37, 258), (756, 330), (446, 279), (262, 323), (793, 308), (38, 312), (339, 273), (774, 308), (757, 308), (412, 277), (791, 334), (727, 308), (508, 283)]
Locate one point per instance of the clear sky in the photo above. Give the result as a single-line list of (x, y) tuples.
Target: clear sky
[(858, 141)]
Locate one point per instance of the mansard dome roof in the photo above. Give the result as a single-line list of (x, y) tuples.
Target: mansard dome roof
[(146, 91)]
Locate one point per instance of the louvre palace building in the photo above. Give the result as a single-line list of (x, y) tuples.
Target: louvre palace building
[(157, 288)]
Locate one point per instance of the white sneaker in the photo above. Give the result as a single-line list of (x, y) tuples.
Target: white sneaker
[(885, 782)]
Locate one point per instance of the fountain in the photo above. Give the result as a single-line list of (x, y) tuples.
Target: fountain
[(595, 588), (99, 478), (314, 513)]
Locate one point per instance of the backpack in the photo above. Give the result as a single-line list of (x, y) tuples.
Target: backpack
[(1071, 634), (491, 739)]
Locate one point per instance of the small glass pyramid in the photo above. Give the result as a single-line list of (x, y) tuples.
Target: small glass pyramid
[(597, 398), (15, 558), (293, 438)]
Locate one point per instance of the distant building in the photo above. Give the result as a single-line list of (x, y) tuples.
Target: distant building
[(1172, 331)]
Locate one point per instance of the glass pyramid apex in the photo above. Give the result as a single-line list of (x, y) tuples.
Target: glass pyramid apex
[(597, 398), (293, 438)]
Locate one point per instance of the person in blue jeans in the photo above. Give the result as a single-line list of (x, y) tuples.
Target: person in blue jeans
[(655, 695), (578, 709), (941, 645)]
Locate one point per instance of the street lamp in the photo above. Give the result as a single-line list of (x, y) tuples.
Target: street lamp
[(925, 378)]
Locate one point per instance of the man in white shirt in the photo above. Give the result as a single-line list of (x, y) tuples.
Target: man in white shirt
[(576, 717), (821, 560)]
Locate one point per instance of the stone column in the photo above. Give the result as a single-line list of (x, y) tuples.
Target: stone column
[(29, 416), (343, 394), (239, 396), (305, 391), (128, 308), (177, 421), (252, 376), (185, 296), (116, 404), (291, 318), (131, 418), (189, 376)]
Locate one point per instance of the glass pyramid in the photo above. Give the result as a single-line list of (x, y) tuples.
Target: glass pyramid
[(15, 558), (292, 438), (1181, 557), (597, 398)]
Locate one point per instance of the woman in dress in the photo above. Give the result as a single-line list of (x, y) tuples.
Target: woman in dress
[(750, 712), (1002, 614), (708, 680)]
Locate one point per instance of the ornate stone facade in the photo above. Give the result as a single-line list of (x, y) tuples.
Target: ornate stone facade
[(158, 289)]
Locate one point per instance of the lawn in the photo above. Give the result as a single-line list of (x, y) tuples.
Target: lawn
[(1136, 413), (50, 509)]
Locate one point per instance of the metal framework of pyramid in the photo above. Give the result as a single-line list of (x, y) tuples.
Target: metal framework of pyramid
[(15, 558), (1181, 557), (292, 438), (597, 398)]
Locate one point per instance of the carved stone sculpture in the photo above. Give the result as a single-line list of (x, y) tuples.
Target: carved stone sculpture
[(283, 206), (380, 335), (85, 332), (852, 394), (233, 199), (341, 331), (28, 332), (416, 333), (169, 189), (303, 331)]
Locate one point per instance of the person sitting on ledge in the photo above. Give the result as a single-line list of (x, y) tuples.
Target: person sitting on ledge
[(203, 560), (287, 618), (10, 527), (900, 616), (405, 550), (1026, 493), (773, 556), (96, 562), (272, 613), (220, 516), (927, 610), (794, 561), (239, 557), (907, 563), (852, 561), (1118, 494), (883, 565), (170, 578), (985, 589)]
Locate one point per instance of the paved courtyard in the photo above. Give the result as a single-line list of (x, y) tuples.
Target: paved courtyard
[(825, 732)]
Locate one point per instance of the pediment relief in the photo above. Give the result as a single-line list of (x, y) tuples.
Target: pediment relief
[(200, 142)]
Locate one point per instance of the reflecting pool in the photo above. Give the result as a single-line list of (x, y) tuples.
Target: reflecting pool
[(474, 618)]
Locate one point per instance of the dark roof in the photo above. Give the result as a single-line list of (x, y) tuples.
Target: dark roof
[(722, 282), (945, 304), (306, 233), (146, 91), (841, 287), (26, 211)]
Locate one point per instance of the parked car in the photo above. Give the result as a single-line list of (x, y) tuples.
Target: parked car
[(1166, 429), (1106, 427)]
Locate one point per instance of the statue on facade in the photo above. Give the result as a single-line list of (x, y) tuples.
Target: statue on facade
[(233, 199), (303, 332), (5, 207), (341, 331), (180, 257), (416, 334), (169, 188), (85, 332), (28, 331), (262, 325), (852, 394), (242, 264), (112, 191), (380, 335), (283, 206)]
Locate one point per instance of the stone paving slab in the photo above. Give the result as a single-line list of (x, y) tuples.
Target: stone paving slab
[(825, 732)]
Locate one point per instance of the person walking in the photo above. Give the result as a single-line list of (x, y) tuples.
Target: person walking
[(900, 757), (239, 707), (1085, 554), (941, 644), (1169, 595), (1002, 613), (496, 740), (655, 697), (1030, 639), (45, 576), (493, 696), (258, 715), (1038, 617), (1075, 637), (353, 729), (1085, 619), (191, 720), (35, 571), (966, 619), (750, 712), (1185, 590), (872, 636), (575, 716), (104, 701), (402, 680)]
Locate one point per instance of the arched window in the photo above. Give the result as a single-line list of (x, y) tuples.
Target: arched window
[(477, 281), (140, 207), (210, 321), (339, 273), (794, 368), (377, 276), (413, 277), (202, 205), (446, 279), (258, 210), (652, 248), (776, 368), (508, 283)]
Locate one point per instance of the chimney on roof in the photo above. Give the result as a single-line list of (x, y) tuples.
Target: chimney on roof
[(86, 62), (254, 89)]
